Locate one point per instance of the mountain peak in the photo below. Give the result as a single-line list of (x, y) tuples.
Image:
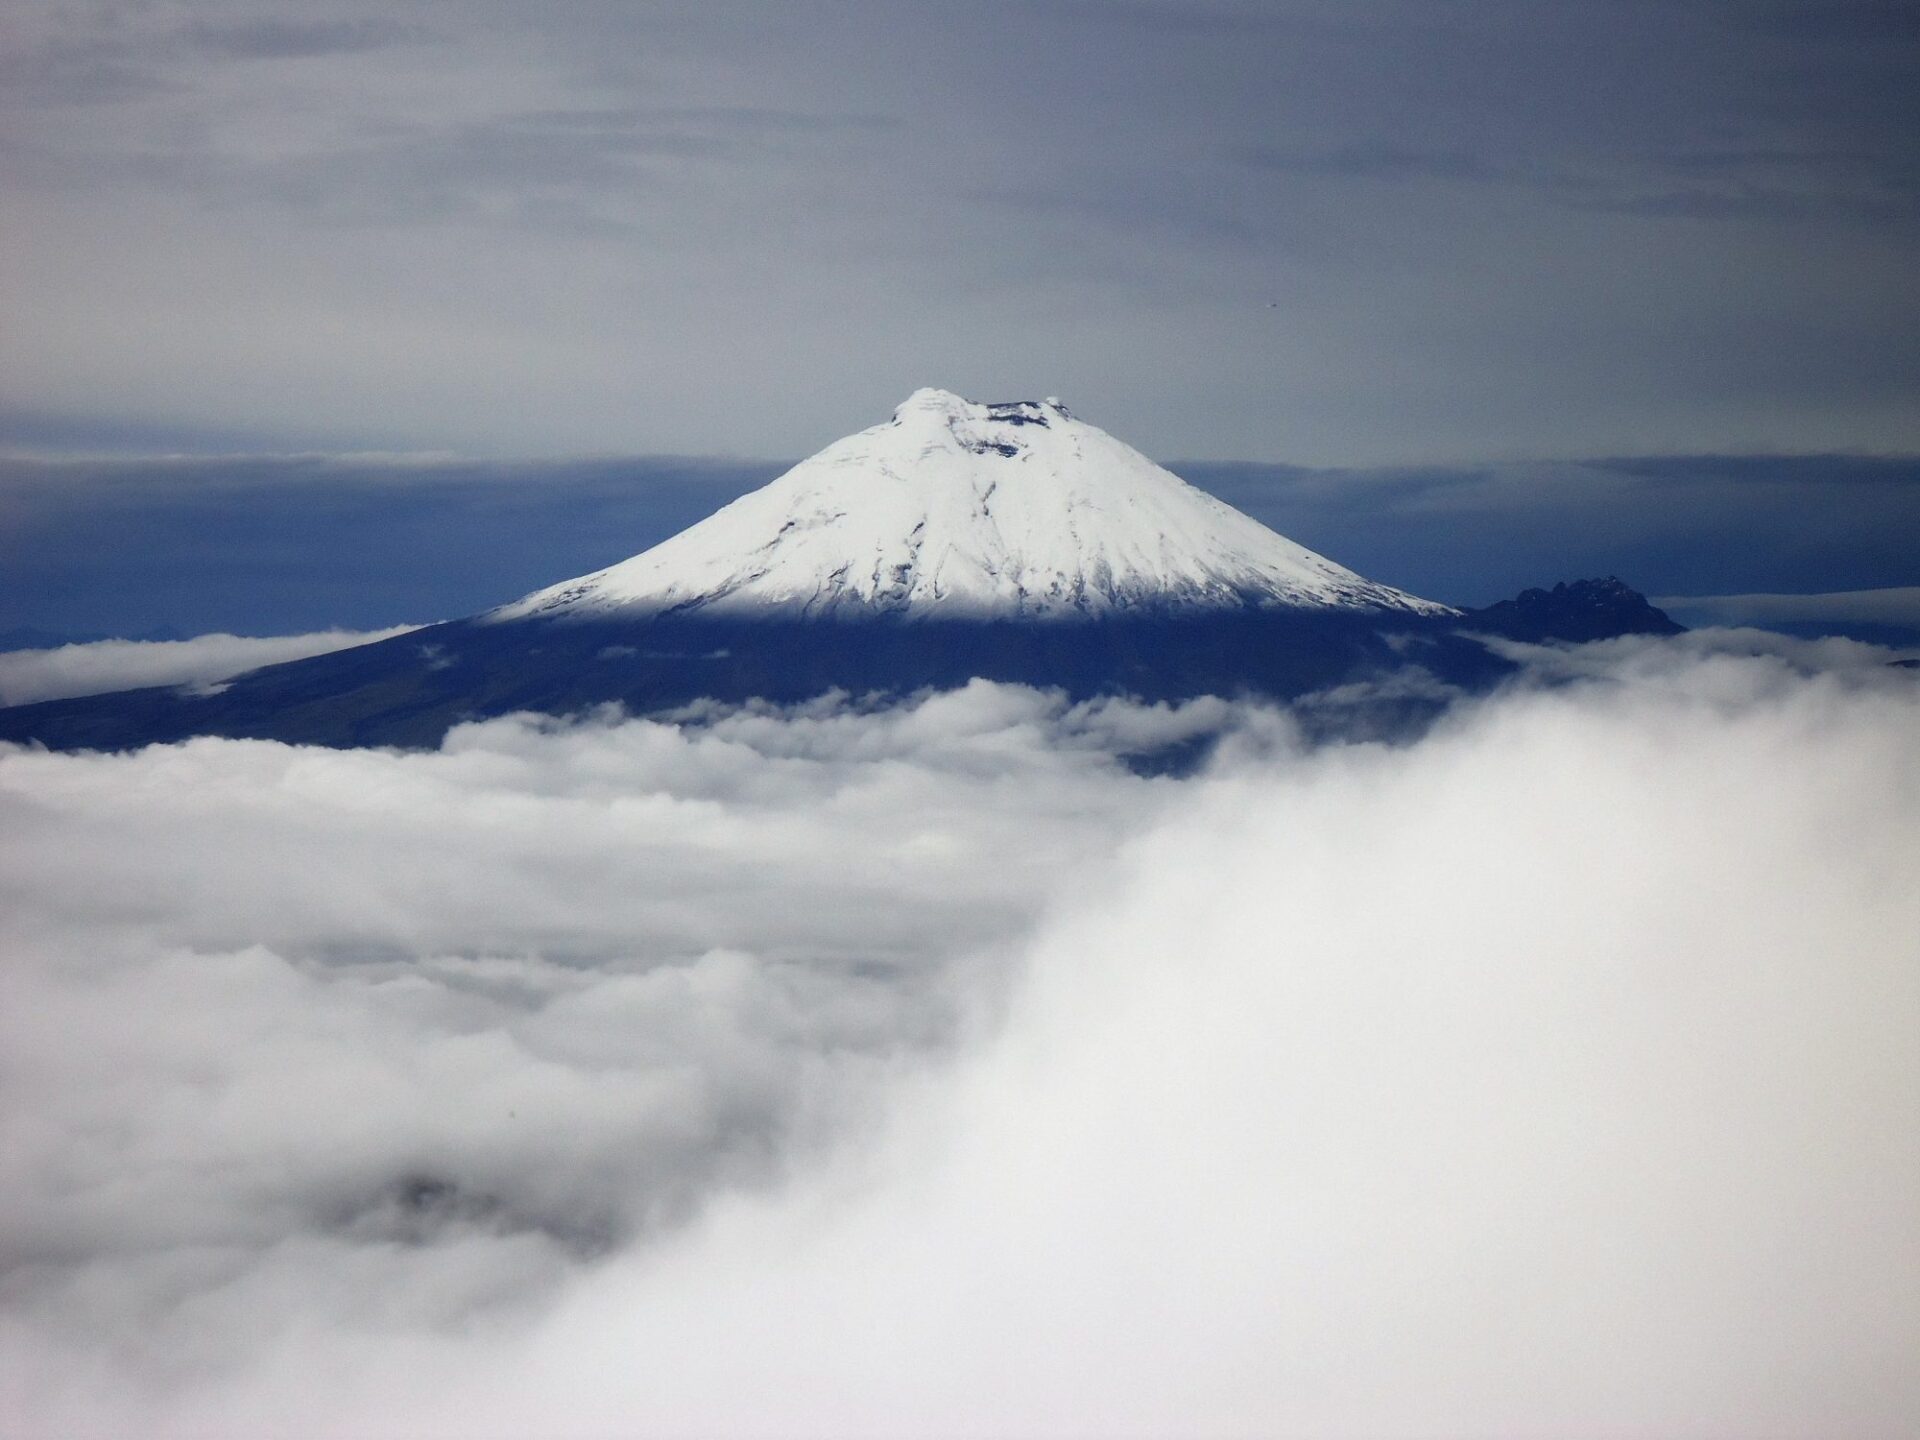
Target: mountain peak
[(982, 427), (1577, 611), (964, 509), (935, 406)]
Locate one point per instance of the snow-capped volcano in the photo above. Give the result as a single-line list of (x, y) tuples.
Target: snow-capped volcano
[(1000, 522), (960, 510)]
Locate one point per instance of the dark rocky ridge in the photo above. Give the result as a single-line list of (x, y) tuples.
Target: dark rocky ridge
[(1577, 611)]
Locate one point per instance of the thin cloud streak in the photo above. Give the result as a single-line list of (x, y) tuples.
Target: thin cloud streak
[(1894, 605), (1780, 184), (102, 666)]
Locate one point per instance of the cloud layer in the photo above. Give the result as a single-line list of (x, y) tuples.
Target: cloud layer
[(929, 1072), (101, 666)]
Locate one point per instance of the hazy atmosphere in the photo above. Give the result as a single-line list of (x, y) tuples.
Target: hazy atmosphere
[(1321, 233), (1423, 1018)]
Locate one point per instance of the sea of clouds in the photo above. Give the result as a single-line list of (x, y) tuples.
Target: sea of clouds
[(935, 1071)]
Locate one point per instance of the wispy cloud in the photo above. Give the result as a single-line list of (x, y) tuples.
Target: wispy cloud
[(100, 666), (118, 64), (1893, 606), (1704, 182), (282, 39)]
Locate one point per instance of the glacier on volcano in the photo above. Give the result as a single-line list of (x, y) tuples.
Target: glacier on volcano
[(955, 509)]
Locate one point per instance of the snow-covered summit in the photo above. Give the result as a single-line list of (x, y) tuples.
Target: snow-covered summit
[(956, 509)]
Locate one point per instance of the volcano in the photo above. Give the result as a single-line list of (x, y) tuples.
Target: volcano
[(1005, 541), (962, 511)]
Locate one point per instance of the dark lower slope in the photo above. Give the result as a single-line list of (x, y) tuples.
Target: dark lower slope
[(408, 691)]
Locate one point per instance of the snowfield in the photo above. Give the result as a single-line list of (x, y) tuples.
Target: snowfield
[(958, 509)]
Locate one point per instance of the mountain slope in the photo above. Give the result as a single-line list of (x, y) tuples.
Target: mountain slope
[(959, 541), (960, 510)]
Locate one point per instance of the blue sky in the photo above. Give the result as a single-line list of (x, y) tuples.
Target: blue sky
[(272, 545)]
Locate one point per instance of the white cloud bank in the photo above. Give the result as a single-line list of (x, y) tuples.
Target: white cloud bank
[(927, 1073), (99, 667)]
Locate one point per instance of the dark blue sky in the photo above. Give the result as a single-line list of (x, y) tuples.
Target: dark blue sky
[(269, 546)]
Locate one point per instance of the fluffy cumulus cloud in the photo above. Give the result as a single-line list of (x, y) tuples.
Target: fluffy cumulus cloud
[(932, 1071), (99, 666)]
